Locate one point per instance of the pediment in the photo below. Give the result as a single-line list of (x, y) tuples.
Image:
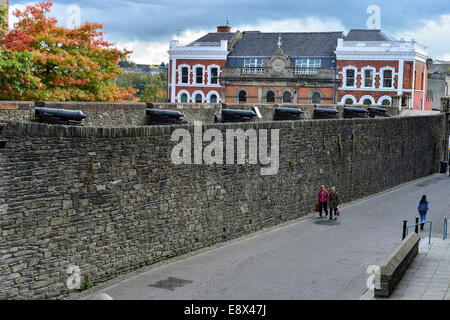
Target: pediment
[(279, 65)]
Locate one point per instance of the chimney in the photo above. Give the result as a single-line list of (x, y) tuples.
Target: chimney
[(224, 28)]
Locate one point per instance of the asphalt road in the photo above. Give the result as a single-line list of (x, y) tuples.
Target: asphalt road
[(306, 259)]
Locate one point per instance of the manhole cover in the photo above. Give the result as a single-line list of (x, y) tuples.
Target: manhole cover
[(170, 283)]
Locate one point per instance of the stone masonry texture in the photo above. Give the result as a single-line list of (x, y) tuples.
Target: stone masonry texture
[(109, 199)]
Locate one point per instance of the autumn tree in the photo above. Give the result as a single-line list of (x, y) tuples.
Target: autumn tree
[(40, 60)]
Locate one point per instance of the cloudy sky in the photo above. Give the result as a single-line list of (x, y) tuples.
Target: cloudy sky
[(146, 26)]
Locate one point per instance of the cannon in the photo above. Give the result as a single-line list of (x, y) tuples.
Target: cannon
[(163, 117), (378, 112), (355, 112), (232, 115), (320, 113), (287, 114), (59, 116)]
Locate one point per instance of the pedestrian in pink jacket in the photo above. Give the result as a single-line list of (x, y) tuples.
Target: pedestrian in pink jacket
[(323, 201)]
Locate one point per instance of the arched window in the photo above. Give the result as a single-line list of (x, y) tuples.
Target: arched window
[(316, 98), (348, 101), (242, 97), (367, 102), (184, 98), (270, 97), (213, 98), (386, 102), (198, 98), (287, 98)]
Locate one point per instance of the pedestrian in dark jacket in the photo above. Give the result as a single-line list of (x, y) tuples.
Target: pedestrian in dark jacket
[(333, 202), (323, 200), (423, 207)]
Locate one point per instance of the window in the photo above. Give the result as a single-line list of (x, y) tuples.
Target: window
[(242, 97), (213, 98), (287, 98), (184, 98), (368, 78), (367, 102), (308, 63), (387, 78), (316, 98), (386, 102), (270, 97), (184, 75), (348, 101), (350, 75), (198, 98), (214, 75), (198, 75), (254, 62)]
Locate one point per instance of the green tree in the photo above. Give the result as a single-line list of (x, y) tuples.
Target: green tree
[(152, 93), (42, 61)]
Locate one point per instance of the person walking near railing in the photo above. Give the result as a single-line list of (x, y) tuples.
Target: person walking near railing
[(323, 201), (423, 207)]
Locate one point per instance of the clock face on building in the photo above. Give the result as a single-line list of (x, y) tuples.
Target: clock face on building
[(278, 65)]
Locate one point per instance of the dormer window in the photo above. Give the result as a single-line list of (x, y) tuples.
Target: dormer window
[(254, 62)]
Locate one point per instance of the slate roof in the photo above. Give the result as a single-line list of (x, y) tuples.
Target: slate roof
[(367, 35), (215, 37), (440, 67), (294, 44)]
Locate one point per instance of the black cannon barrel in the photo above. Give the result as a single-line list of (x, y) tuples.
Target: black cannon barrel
[(287, 114), (355, 112), (378, 112), (63, 114), (234, 115), (322, 113), (161, 117)]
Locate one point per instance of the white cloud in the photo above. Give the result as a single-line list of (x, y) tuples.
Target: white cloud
[(434, 34)]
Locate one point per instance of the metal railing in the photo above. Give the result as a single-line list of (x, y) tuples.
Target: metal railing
[(445, 229), (406, 228)]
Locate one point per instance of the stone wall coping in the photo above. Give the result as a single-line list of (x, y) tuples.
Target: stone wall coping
[(53, 130), (399, 254)]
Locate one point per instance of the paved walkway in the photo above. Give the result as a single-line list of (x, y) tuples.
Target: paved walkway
[(428, 277), (305, 259)]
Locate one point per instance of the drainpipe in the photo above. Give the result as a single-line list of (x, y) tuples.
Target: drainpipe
[(335, 79)]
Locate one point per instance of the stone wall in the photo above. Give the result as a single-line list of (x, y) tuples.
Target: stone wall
[(110, 200), (133, 114)]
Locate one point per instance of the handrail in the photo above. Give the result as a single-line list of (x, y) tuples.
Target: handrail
[(417, 224), (445, 229)]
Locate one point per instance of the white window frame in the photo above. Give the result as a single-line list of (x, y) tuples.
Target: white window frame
[(363, 74), (349, 96), (180, 74), (210, 93), (254, 62), (308, 63), (180, 93), (194, 94), (361, 101), (209, 72), (382, 77), (380, 101), (194, 74), (344, 74)]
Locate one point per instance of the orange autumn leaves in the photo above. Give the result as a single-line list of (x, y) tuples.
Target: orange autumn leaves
[(40, 60)]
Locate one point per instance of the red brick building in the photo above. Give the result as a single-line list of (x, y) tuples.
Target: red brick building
[(374, 67), (194, 70), (362, 67)]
